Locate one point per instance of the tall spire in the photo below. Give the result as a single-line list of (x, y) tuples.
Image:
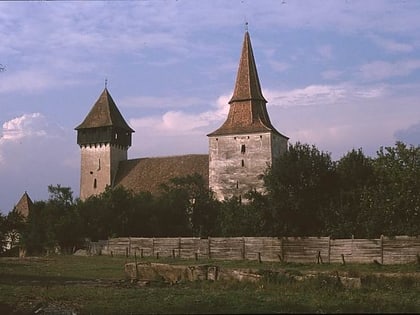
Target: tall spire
[(247, 86), (248, 111)]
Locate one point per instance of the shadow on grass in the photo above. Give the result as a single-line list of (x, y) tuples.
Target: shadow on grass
[(17, 279)]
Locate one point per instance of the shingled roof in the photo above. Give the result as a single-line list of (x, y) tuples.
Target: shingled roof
[(147, 174), (104, 113), (24, 205), (248, 111)]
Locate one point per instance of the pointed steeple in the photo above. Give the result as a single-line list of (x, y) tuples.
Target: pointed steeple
[(104, 124), (247, 86), (24, 205), (104, 114), (248, 111)]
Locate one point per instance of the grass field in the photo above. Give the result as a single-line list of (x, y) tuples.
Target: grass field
[(97, 285)]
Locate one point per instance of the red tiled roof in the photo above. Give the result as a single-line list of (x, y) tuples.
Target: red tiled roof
[(147, 174), (104, 113)]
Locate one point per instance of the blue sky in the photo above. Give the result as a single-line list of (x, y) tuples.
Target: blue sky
[(338, 74)]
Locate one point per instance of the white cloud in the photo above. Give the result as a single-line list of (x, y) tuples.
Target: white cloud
[(322, 95), (331, 74), (381, 70), (181, 123), (31, 80), (35, 153), (160, 102), (325, 51), (279, 66), (392, 45), (27, 125)]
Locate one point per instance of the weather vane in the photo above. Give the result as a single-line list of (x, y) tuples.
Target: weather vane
[(246, 25), (106, 82)]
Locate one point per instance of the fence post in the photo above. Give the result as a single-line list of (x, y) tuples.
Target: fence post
[(179, 248), (282, 249), (329, 249), (209, 247), (382, 249), (243, 248)]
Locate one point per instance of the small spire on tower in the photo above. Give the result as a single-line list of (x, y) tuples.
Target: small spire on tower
[(106, 82)]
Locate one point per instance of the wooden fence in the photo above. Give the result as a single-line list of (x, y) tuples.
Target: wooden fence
[(385, 250)]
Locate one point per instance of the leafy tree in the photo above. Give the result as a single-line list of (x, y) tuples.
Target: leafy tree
[(38, 234), (54, 223), (393, 203), (300, 184), (15, 224), (3, 233), (238, 219), (355, 173), (196, 203)]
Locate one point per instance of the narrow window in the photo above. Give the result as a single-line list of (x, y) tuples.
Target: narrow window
[(243, 148), (242, 163), (94, 184), (237, 184)]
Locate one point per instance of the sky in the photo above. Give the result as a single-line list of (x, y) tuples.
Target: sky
[(338, 74)]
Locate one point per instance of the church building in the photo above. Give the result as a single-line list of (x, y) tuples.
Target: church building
[(239, 151)]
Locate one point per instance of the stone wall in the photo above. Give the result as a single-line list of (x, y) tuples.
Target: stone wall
[(237, 163)]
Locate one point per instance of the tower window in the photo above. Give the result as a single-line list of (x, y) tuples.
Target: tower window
[(242, 163), (237, 184), (94, 184), (243, 148)]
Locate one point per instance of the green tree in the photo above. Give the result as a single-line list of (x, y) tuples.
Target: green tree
[(392, 205), (53, 224), (355, 178), (300, 184), (238, 219), (3, 233), (197, 205)]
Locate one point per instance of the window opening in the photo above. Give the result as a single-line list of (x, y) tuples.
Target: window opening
[(242, 163), (243, 148), (94, 183)]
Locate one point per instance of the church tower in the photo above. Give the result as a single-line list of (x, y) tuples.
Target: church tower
[(246, 144), (104, 138)]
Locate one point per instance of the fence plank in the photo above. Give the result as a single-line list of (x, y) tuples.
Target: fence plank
[(395, 250)]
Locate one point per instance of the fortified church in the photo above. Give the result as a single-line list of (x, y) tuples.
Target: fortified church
[(239, 151)]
